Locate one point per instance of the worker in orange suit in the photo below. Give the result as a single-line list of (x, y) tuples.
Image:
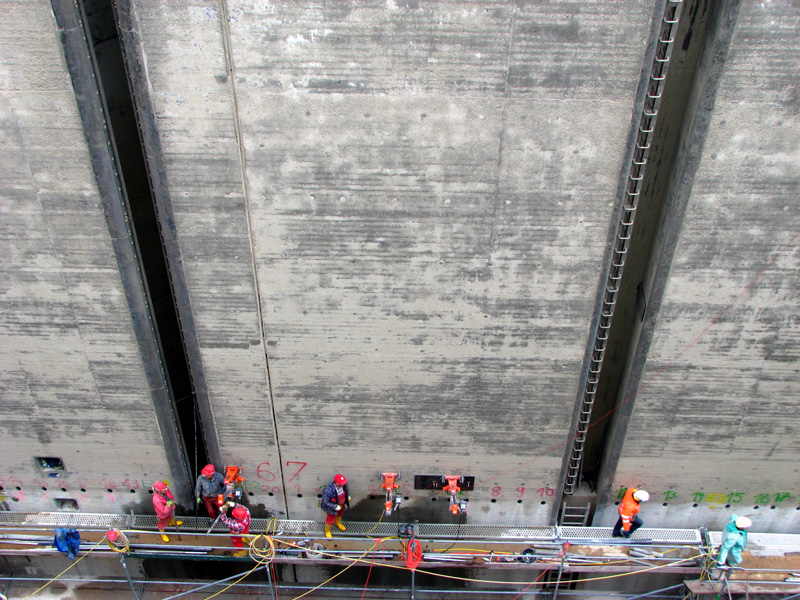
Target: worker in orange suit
[(164, 505), (629, 520)]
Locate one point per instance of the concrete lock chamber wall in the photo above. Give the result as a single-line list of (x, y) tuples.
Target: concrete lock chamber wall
[(311, 238)]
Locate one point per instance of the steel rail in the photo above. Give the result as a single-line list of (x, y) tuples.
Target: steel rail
[(296, 587)]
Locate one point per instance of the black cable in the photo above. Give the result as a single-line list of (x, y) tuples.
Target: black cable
[(458, 532), (195, 456)]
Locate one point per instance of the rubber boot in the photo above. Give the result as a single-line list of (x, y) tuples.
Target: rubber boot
[(338, 523), (175, 523), (165, 538), (328, 530), (240, 553)]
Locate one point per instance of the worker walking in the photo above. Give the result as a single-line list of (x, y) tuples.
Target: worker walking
[(629, 520), (734, 540), (238, 522), (164, 503), (210, 484), (335, 497)]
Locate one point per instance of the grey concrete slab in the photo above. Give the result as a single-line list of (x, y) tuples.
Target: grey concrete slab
[(722, 376), (426, 246), (73, 383)]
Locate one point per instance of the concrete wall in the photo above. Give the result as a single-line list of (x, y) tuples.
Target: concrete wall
[(426, 190), (715, 427), (391, 220), (73, 383)]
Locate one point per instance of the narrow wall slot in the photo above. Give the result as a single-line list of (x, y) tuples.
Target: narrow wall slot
[(54, 467), (67, 504)]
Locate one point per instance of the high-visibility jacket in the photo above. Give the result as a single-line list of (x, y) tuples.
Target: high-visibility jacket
[(628, 509)]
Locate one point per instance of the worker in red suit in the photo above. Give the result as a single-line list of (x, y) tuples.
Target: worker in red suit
[(238, 522), (629, 520), (209, 485), (164, 503), (335, 497)]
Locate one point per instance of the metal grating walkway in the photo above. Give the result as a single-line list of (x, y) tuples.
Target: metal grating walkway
[(355, 529), (765, 544), (66, 519)]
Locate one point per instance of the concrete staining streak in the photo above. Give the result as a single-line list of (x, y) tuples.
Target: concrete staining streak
[(412, 279), (425, 191), (71, 365), (191, 94), (493, 220), (243, 163), (731, 401)]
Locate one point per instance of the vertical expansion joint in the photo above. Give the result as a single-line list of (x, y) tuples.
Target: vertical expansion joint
[(226, 40), (83, 71), (636, 169)]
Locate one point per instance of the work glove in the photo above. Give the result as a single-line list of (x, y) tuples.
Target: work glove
[(198, 499), (349, 498), (227, 505), (170, 502), (338, 508)]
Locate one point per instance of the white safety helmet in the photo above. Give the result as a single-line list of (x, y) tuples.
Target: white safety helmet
[(641, 496), (743, 523)]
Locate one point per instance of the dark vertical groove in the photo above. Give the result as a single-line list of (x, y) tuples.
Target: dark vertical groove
[(686, 104), (122, 121), (650, 54), (716, 42), (84, 74), (207, 445)]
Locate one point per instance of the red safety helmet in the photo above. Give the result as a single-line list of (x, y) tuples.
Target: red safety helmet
[(239, 513), (160, 486), (208, 470), (112, 535), (340, 479)]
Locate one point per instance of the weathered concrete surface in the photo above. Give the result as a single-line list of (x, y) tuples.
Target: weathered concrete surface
[(190, 95), (715, 430), (392, 221), (429, 188), (73, 385)]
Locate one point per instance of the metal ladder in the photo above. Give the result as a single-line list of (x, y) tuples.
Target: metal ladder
[(576, 516), (636, 169)]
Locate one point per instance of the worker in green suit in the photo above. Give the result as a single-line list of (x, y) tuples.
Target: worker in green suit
[(734, 540)]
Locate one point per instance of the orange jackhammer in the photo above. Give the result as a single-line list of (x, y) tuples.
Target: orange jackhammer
[(393, 499), (457, 507)]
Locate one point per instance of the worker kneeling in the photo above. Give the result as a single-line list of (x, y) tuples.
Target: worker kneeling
[(629, 521), (237, 518), (335, 497)]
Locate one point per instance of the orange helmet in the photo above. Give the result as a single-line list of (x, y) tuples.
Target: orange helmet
[(208, 470)]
